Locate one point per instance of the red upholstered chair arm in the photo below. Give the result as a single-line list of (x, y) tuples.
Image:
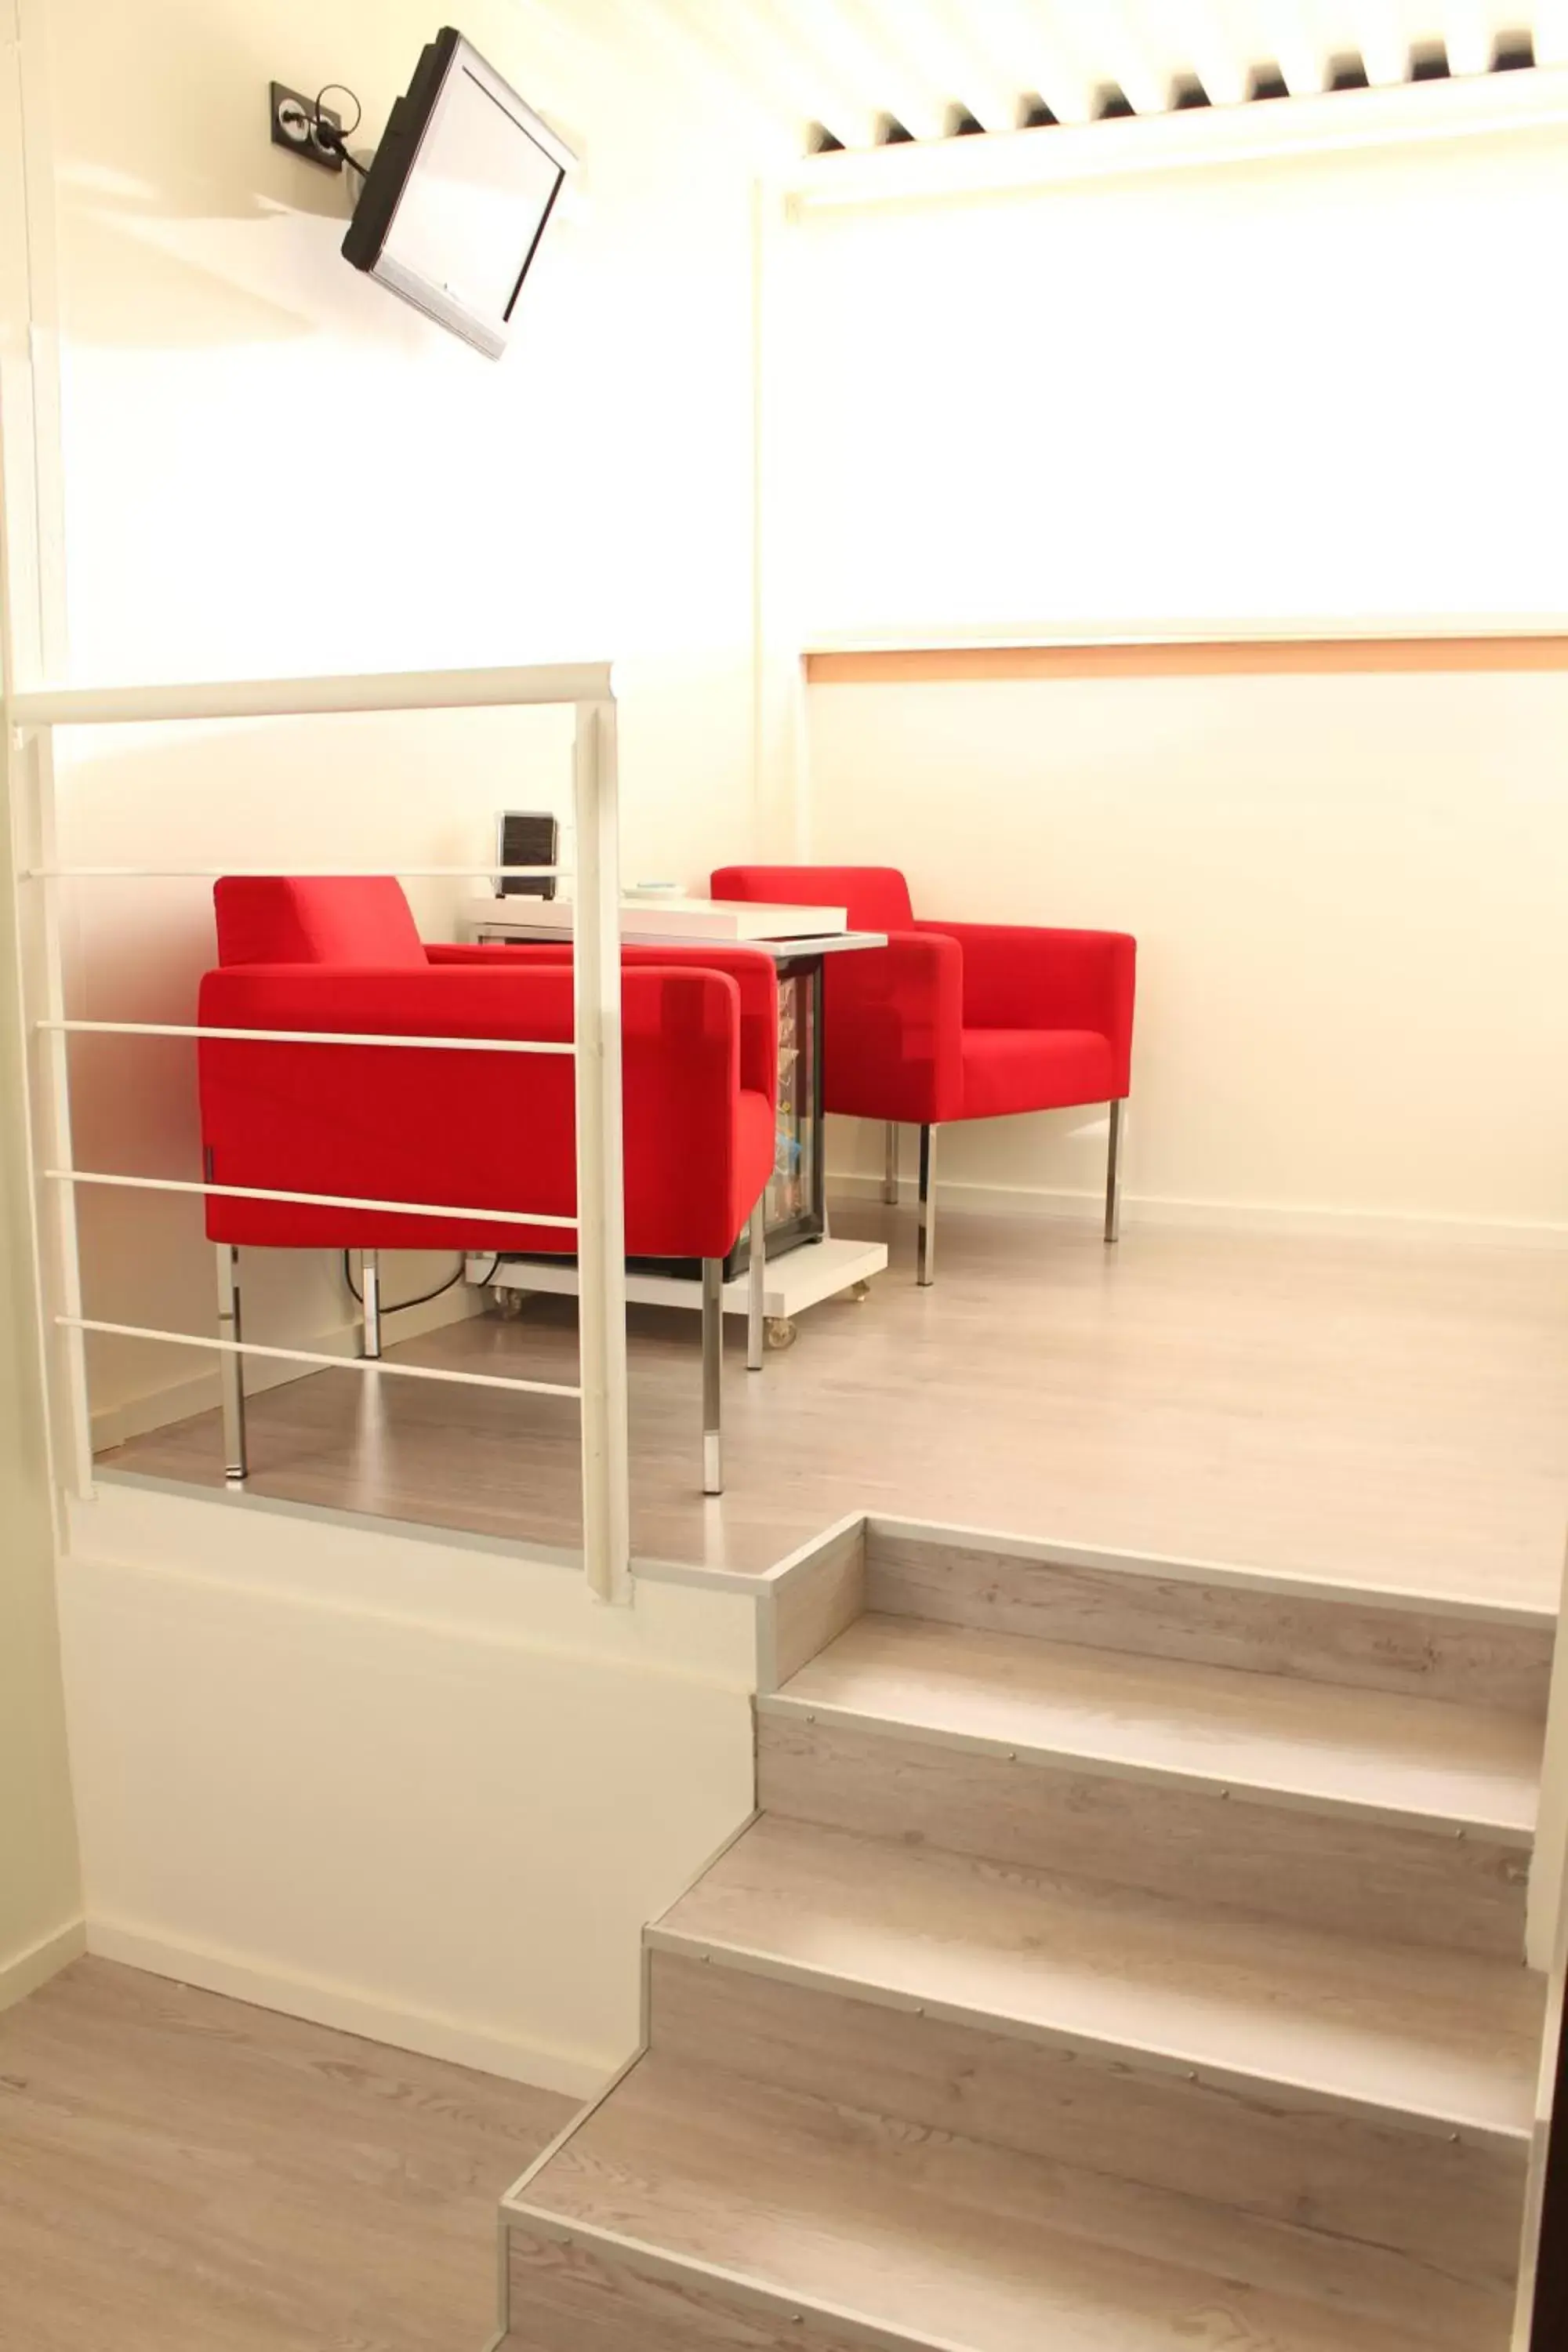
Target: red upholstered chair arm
[(1017, 976), (752, 972), (894, 1044), (465, 1129)]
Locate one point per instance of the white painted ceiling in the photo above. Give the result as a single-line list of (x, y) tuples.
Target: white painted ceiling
[(858, 73)]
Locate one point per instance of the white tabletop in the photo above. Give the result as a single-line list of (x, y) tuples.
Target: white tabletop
[(667, 916), (779, 951)]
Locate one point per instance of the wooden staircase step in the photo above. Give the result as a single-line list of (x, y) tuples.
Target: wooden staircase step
[(1367, 1814), (696, 2208), (1384, 1753), (1470, 1652), (1323, 2021)]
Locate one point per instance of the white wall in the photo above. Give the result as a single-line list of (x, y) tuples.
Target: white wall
[(1348, 893), (1320, 385), (425, 1792), (40, 1881), (271, 464), (1316, 391), (40, 1886)]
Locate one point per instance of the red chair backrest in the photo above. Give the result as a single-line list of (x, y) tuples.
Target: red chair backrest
[(350, 919)]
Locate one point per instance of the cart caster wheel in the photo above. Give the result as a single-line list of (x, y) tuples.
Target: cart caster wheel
[(781, 1331), (859, 1292), (507, 1302)]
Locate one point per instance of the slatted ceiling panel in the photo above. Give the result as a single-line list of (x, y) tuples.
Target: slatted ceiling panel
[(1468, 35), (864, 71), (1331, 37), (1196, 43), (1381, 33), (941, 46), (1187, 45), (1047, 60), (742, 38), (1094, 43), (1294, 40), (871, 71), (1473, 30), (733, 87), (989, 86)]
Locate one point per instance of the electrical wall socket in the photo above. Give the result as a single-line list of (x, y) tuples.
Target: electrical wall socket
[(294, 118)]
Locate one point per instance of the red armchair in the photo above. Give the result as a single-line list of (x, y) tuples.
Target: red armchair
[(464, 1128), (955, 1021)]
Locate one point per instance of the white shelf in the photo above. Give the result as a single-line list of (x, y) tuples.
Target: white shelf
[(798, 1279)]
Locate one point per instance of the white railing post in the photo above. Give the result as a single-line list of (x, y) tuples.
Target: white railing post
[(38, 917), (601, 1213)]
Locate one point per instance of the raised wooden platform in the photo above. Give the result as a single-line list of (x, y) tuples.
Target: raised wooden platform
[(1383, 1414)]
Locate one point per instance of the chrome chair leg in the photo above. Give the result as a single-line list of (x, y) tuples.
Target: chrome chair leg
[(891, 1166), (712, 1374), (1113, 1173), (370, 1279), (925, 1246), (231, 1367), (756, 1290)]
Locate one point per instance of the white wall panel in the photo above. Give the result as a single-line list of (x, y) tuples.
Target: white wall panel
[(1348, 893), (427, 1792), (1323, 389)]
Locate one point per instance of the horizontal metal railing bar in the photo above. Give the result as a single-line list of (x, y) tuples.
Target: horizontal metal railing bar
[(296, 873), (312, 1356), (305, 1200), (308, 698), (311, 1036)]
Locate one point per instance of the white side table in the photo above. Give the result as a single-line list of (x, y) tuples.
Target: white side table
[(805, 1264)]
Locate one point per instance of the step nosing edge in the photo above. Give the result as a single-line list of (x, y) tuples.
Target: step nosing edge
[(1248, 1791), (1205, 2072)]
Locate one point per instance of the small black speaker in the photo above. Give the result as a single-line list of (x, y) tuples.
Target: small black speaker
[(526, 837)]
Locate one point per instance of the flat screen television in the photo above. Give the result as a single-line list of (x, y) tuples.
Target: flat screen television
[(453, 207)]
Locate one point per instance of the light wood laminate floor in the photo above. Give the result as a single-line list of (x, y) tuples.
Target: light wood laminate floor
[(1377, 1412), (182, 2173)]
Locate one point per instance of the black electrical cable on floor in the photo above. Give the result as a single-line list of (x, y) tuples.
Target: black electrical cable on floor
[(401, 1305)]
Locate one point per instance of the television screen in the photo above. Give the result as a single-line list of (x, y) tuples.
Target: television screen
[(454, 203)]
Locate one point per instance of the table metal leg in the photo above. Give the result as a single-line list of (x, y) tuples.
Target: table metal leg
[(925, 1247), (231, 1367), (712, 1374), (756, 1288), (369, 1283), (1113, 1173)]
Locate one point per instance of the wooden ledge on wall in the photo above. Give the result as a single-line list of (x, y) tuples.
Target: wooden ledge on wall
[(1215, 657)]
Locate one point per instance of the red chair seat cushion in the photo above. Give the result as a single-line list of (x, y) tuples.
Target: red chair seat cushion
[(1012, 1070)]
